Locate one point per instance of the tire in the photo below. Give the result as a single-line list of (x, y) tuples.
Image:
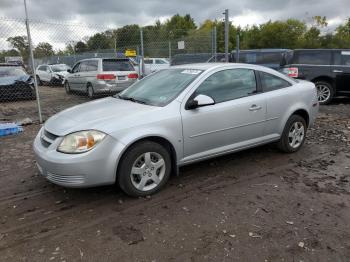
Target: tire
[(143, 182), (67, 87), (40, 83), (90, 91), (325, 92), (285, 144)]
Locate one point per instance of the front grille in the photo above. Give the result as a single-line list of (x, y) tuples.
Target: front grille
[(47, 138), (66, 180), (49, 135)]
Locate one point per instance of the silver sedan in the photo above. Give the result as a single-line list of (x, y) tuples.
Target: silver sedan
[(171, 118)]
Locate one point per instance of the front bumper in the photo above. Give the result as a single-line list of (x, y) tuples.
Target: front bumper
[(93, 168)]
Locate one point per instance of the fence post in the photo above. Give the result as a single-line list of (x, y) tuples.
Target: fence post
[(169, 50), (226, 34), (142, 54), (215, 44), (32, 62), (237, 48)]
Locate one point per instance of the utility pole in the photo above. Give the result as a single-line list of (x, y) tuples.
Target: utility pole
[(226, 34), (32, 62)]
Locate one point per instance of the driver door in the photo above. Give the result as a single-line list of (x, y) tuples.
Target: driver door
[(236, 120)]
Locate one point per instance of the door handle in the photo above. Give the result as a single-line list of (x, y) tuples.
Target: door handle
[(77, 75), (255, 108), (337, 71)]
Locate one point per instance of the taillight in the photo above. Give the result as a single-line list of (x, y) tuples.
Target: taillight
[(292, 72), (106, 76), (133, 76)]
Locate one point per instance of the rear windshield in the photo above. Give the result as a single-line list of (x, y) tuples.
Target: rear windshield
[(11, 71), (116, 65)]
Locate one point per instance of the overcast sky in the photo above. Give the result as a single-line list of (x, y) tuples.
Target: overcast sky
[(113, 13)]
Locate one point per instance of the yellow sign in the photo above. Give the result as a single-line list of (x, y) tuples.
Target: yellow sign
[(130, 52)]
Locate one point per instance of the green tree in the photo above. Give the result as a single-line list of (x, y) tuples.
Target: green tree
[(99, 41), (43, 50), (81, 47), (21, 44)]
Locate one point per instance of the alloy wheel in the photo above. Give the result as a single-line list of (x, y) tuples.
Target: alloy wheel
[(323, 93), (296, 135), (148, 171)]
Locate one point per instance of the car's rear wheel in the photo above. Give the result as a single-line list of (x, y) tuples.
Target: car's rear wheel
[(90, 91), (67, 87), (293, 136), (144, 169), (325, 92)]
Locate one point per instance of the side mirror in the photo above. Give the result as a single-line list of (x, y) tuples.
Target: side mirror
[(69, 71), (199, 101)]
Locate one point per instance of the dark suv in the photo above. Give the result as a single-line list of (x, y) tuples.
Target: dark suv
[(329, 69), (271, 58)]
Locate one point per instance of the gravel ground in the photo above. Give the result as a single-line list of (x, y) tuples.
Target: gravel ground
[(256, 205)]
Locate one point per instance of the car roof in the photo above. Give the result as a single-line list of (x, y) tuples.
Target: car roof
[(10, 65), (264, 50), (324, 49), (208, 66)]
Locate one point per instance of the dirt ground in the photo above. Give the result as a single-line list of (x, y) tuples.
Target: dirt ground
[(256, 205)]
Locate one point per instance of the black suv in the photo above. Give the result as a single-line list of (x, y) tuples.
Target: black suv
[(329, 69), (271, 58)]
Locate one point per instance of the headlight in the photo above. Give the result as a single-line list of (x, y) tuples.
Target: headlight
[(81, 141)]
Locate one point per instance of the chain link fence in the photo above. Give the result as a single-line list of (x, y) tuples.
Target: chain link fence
[(75, 63)]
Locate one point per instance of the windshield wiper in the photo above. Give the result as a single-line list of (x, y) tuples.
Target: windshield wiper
[(131, 99)]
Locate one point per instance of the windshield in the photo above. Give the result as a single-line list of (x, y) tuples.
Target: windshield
[(161, 87), (59, 68), (11, 71)]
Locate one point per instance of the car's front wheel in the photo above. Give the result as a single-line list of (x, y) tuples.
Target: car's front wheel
[(144, 169), (293, 136)]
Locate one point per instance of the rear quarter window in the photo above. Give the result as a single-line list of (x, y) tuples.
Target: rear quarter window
[(116, 65), (271, 82)]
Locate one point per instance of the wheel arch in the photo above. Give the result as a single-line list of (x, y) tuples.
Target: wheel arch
[(327, 79), (157, 139), (304, 114)]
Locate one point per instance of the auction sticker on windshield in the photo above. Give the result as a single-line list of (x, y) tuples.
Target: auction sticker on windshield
[(191, 71)]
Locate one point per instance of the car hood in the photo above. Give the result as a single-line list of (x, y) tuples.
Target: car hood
[(10, 80), (106, 115)]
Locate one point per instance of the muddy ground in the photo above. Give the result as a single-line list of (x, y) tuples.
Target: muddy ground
[(256, 205)]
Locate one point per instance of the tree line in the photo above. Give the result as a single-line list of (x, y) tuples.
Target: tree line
[(290, 33)]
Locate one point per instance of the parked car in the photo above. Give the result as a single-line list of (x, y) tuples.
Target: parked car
[(15, 83), (155, 64), (100, 76), (182, 59), (271, 58), (329, 69), (53, 74), (171, 118)]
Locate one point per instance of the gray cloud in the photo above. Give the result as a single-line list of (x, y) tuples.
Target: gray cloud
[(119, 12), (75, 17)]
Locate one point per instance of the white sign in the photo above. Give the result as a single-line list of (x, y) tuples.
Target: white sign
[(345, 52), (181, 45)]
